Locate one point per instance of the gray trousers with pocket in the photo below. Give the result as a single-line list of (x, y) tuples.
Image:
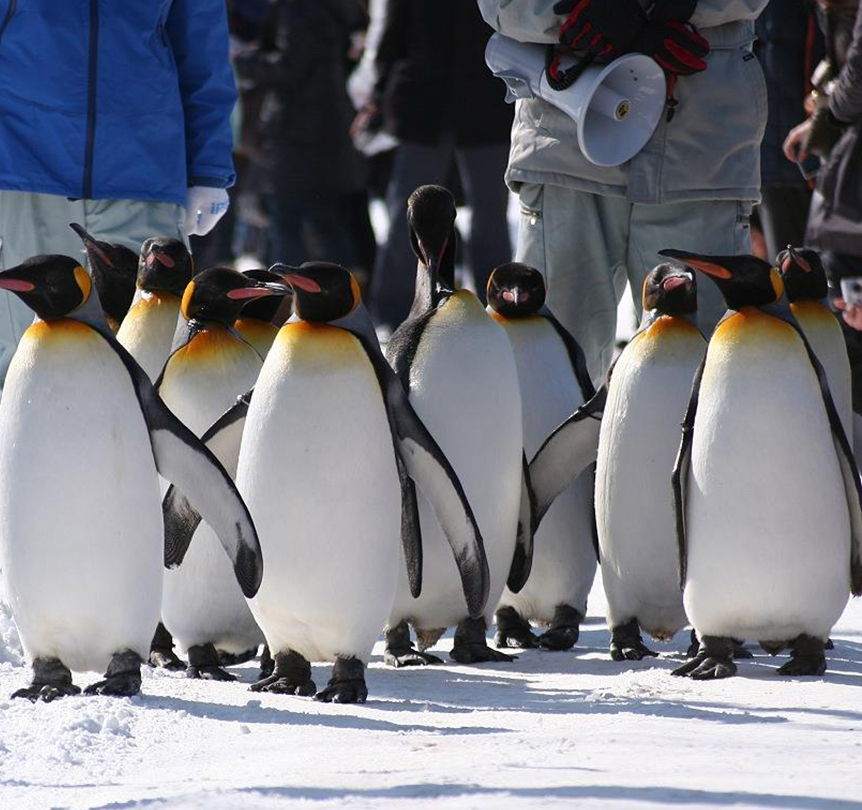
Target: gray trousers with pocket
[(588, 246), (36, 224)]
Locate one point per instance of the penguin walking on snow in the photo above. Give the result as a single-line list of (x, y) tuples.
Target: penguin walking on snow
[(458, 368), (807, 289), (147, 331), (256, 322), (210, 366), (766, 489), (81, 424), (554, 382), (640, 408), (330, 443), (114, 269)]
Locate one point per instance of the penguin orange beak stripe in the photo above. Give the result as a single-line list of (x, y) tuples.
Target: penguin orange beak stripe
[(302, 283), (709, 268), (672, 282), (16, 285), (163, 258), (243, 293)]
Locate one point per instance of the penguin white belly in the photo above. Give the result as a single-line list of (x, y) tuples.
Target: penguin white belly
[(317, 470), (147, 331), (639, 439), (202, 602), (564, 560), (768, 530), (823, 332), (464, 387), (81, 536)]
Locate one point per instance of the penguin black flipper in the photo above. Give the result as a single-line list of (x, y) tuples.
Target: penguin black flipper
[(411, 531), (522, 560), (185, 461), (223, 438), (402, 346), (428, 466), (576, 354), (567, 452), (679, 476)]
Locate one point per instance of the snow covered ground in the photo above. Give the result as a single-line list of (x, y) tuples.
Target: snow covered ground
[(549, 730)]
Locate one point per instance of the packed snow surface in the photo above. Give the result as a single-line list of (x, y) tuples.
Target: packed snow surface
[(548, 730)]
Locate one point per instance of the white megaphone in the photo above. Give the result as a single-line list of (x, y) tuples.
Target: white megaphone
[(616, 106)]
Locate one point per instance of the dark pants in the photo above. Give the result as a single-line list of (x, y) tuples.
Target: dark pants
[(481, 170), (783, 216), (838, 266)]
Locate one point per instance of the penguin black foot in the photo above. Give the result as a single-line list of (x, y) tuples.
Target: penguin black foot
[(471, 646), (806, 658), (627, 644), (564, 631), (52, 679), (162, 653), (291, 675), (347, 684), (267, 665), (204, 664), (123, 678), (226, 659), (513, 630), (714, 660), (739, 649), (400, 652), (830, 645)]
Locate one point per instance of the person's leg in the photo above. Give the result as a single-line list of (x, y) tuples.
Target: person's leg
[(838, 266), (31, 225), (783, 216), (286, 243), (578, 240), (709, 226), (131, 222), (481, 169), (329, 235), (395, 267)]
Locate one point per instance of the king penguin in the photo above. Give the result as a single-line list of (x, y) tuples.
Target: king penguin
[(259, 320), (807, 289), (766, 489), (554, 382), (641, 406), (209, 367), (459, 370), (114, 269), (81, 424), (148, 330), (330, 442)]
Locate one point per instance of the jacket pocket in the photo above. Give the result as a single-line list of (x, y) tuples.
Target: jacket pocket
[(7, 18)]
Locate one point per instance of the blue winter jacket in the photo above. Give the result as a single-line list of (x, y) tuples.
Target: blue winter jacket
[(115, 99)]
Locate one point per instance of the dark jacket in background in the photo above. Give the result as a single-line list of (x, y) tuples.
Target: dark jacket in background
[(432, 76), (784, 46), (299, 136)]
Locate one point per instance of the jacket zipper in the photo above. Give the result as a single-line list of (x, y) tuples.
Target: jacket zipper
[(91, 99), (13, 4)]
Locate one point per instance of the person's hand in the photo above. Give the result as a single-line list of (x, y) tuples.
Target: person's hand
[(604, 28), (676, 46), (852, 315), (794, 143), (368, 118), (205, 206)]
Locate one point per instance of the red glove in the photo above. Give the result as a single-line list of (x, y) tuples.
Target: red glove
[(676, 46), (603, 28)]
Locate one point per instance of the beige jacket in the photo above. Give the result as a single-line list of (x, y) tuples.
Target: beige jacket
[(709, 151)]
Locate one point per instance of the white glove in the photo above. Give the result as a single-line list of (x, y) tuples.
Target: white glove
[(205, 206)]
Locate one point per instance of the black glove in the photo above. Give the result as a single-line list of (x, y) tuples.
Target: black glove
[(603, 28), (677, 47)]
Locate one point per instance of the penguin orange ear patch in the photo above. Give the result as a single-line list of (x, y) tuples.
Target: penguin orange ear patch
[(709, 268), (82, 277), (357, 293), (777, 283)]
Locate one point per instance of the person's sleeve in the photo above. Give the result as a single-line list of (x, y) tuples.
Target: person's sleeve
[(845, 101), (710, 13), (197, 30), (525, 22)]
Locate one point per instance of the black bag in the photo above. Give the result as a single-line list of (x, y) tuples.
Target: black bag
[(840, 180)]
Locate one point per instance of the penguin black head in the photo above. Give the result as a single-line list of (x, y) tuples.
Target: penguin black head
[(742, 280), (803, 274), (165, 266), (516, 290), (52, 286), (114, 269), (323, 292), (670, 290), (264, 309), (431, 220), (219, 294)]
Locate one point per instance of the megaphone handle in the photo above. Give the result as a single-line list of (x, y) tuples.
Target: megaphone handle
[(563, 80)]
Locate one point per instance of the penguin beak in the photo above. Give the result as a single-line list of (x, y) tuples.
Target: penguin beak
[(16, 285), (710, 268), (672, 282), (90, 244), (512, 296), (260, 290), (303, 283), (163, 258), (794, 258)]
